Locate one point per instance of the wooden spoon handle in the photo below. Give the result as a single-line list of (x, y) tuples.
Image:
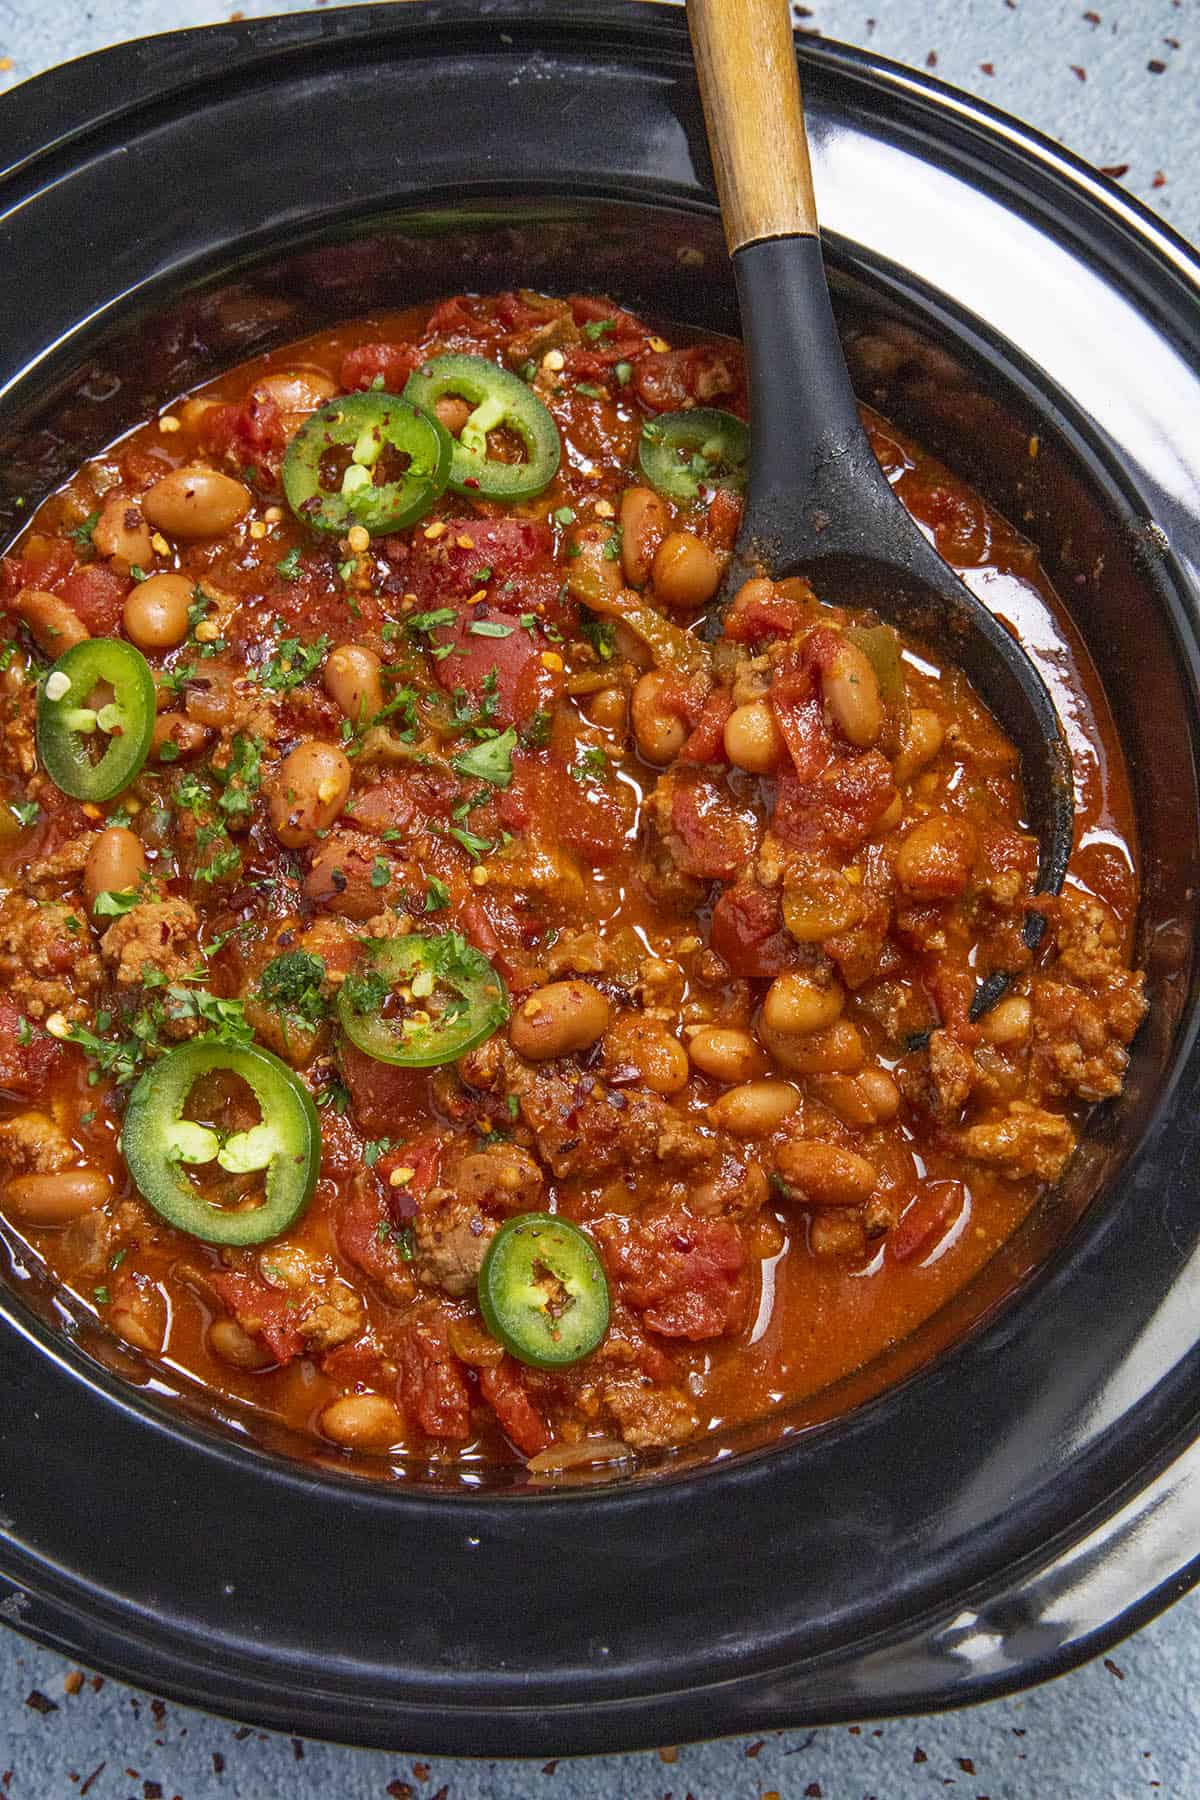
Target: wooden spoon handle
[(746, 62)]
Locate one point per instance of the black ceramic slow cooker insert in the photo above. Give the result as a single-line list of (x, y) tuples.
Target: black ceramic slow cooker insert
[(1003, 1510)]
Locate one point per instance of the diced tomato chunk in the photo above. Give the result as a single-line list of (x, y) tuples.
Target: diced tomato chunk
[(757, 614), (362, 366), (353, 1364), (707, 741), (432, 1386), (254, 431), (839, 809), (685, 1276), (451, 565), (748, 933), (97, 594), (261, 1311), (927, 1220), (499, 673), (699, 375), (42, 564), (504, 1391), (379, 1092), (709, 837)]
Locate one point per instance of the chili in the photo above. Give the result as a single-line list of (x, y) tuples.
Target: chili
[(498, 400), (439, 1027), (543, 1291), (69, 722), (378, 430)]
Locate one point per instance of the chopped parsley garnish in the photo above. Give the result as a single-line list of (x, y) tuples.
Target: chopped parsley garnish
[(595, 329), (374, 1148), (490, 628), (26, 812), (289, 566), (482, 575), (437, 895), (563, 515), (138, 573), (226, 1019), (381, 872), (474, 846), (490, 760), (82, 534), (114, 902), (335, 1096), (291, 985), (101, 1296), (593, 765), (426, 622), (366, 990), (535, 733), (292, 663), (588, 388), (240, 777), (601, 634), (612, 547)]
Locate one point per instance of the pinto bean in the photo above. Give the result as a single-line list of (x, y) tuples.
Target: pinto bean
[(122, 531), (452, 412), (796, 1005), (753, 740), (53, 625), (308, 792), (646, 1044), (755, 1108), (726, 1053), (609, 709), (686, 572), (850, 690), (824, 904), (838, 1050), (353, 681), (1009, 1021), (296, 392), (362, 1422), (559, 1018), (826, 1174), (236, 1347), (156, 612), (195, 503), (188, 737), (920, 742), (645, 522), (660, 735), (57, 1199), (865, 1100), (116, 862)]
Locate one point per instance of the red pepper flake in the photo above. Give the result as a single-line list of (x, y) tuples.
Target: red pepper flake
[(931, 60), (669, 1753), (966, 1765), (158, 1710), (152, 1790), (218, 1763), (550, 1768), (400, 1790), (1114, 170), (919, 1755), (1159, 179), (241, 1734), (1114, 1669), (96, 1772), (813, 1791), (754, 1748), (421, 1771), (987, 68), (1093, 18), (40, 1702), (297, 1750), (1173, 42), (1156, 67), (1079, 73)]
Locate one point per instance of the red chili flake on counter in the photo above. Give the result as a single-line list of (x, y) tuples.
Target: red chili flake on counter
[(40, 1702), (1114, 1669), (550, 1768), (931, 60), (1159, 179), (1156, 67), (754, 1748), (1093, 18), (919, 1755), (96, 1772), (218, 1763), (401, 1790), (987, 68), (813, 1791), (1078, 72), (1114, 170), (966, 1765)]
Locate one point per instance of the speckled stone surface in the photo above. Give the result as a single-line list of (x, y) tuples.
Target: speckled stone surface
[(1116, 81)]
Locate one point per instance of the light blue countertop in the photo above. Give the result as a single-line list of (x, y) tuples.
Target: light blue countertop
[(1117, 82)]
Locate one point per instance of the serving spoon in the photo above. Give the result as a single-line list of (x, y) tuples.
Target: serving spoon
[(817, 501)]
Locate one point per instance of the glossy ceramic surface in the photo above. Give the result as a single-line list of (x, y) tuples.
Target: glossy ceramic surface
[(998, 1514)]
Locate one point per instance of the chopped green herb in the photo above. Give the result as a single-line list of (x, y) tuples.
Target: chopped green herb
[(624, 373), (366, 990), (240, 777), (24, 1032), (601, 634), (291, 984), (292, 663), (374, 1148), (335, 1097), (437, 895), (587, 387), (612, 547), (490, 629), (535, 734), (563, 515), (289, 566), (381, 872), (26, 812), (490, 761), (138, 573), (168, 751), (428, 622), (82, 534), (595, 329), (473, 845), (592, 766), (114, 902), (101, 1296)]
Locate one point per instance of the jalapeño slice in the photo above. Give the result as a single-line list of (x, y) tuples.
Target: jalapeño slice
[(432, 1028), (498, 398), (157, 1141), (543, 1291), (70, 723), (366, 459), (682, 452)]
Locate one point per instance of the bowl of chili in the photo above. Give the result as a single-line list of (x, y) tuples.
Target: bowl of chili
[(1011, 1486)]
